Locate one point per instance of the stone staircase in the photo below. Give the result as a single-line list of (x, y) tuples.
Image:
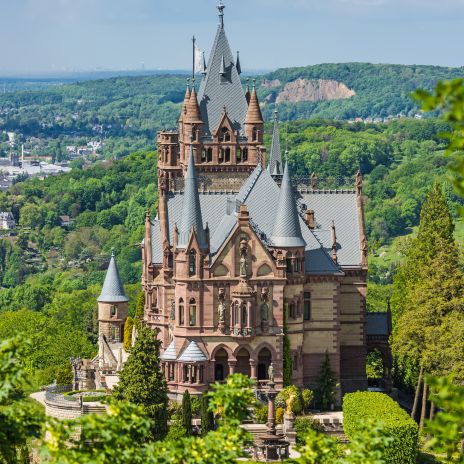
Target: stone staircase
[(93, 408)]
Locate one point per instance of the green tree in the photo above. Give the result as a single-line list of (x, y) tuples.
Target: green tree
[(142, 381), (207, 416), (327, 384), (19, 422), (187, 412), (128, 326)]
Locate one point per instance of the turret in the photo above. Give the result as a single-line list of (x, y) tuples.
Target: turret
[(112, 305), (254, 122)]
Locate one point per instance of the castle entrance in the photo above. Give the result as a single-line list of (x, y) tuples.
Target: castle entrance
[(264, 361), (243, 363)]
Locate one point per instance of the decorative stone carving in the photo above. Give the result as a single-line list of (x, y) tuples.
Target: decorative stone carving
[(221, 311), (172, 315), (264, 309), (270, 373), (243, 258)]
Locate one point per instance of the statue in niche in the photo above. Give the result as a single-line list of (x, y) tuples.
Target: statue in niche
[(264, 309), (243, 258), (270, 373), (173, 310), (221, 311)]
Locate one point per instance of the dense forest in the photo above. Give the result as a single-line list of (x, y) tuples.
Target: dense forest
[(128, 111), (51, 275)]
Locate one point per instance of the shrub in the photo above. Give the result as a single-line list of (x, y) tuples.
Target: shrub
[(261, 414), (207, 416), (64, 375), (307, 396), (94, 398), (303, 425), (196, 405), (361, 407), (327, 385), (176, 431), (187, 413), (285, 394), (279, 415), (174, 410)]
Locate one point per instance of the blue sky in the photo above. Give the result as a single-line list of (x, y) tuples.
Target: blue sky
[(67, 35)]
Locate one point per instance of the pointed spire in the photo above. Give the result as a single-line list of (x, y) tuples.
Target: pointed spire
[(237, 64), (254, 115), (191, 210), (113, 289), (248, 94), (193, 109), (222, 70), (287, 230), (186, 100), (275, 160)]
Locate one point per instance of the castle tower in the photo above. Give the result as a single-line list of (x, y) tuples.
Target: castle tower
[(222, 125), (112, 305)]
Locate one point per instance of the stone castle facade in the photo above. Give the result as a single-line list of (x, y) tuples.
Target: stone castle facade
[(237, 260)]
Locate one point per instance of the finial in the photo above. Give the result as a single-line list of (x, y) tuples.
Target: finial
[(254, 83), (112, 252), (188, 83), (221, 8), (248, 84), (276, 113)]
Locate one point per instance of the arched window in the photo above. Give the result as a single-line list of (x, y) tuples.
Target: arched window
[(209, 155), (181, 312), (192, 312), (221, 155), (192, 263), (113, 311), (245, 155), (244, 315), (227, 155), (298, 309), (255, 134), (195, 134), (225, 135), (238, 154), (292, 310)]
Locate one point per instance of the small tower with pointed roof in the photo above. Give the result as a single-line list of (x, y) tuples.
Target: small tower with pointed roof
[(112, 305), (275, 160)]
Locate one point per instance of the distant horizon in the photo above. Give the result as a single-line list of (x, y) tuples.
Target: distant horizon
[(68, 36), (157, 71)]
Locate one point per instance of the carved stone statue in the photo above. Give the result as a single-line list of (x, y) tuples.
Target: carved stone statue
[(290, 403), (221, 312), (270, 373), (264, 312), (243, 258)]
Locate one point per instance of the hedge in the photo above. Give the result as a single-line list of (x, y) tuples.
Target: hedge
[(381, 409)]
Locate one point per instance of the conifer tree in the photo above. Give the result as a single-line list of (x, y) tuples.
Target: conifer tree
[(327, 384), (142, 381), (187, 412), (427, 296), (128, 326), (207, 416)]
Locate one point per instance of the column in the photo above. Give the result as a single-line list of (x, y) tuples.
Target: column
[(232, 365), (253, 365), (250, 321)]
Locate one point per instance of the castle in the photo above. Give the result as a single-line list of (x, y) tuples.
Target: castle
[(240, 268)]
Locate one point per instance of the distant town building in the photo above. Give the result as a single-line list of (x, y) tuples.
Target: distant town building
[(7, 221), (65, 221)]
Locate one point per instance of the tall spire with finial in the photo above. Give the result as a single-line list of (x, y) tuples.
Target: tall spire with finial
[(221, 8), (287, 230), (254, 115), (113, 288)]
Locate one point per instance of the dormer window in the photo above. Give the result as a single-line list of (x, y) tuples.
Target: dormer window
[(192, 263)]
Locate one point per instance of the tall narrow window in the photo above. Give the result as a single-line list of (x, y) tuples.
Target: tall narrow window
[(244, 315), (225, 134), (255, 134), (292, 310), (307, 306), (238, 155), (245, 155), (289, 262), (113, 311), (203, 155), (209, 155), (192, 263), (192, 312), (227, 155), (236, 313), (181, 312)]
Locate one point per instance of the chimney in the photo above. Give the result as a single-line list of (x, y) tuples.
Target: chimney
[(309, 218)]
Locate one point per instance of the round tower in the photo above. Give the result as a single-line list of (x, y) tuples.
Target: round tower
[(112, 305)]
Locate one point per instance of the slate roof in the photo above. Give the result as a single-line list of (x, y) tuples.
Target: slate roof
[(340, 207), (170, 352), (191, 211), (275, 159), (192, 354), (378, 324), (113, 289), (217, 91), (287, 230)]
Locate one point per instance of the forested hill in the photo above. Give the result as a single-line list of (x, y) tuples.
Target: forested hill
[(140, 106)]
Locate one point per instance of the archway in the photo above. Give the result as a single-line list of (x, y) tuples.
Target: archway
[(264, 361), (243, 362), (221, 368)]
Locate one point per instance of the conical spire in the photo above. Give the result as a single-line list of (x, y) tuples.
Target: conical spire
[(193, 109), (191, 210), (186, 100), (254, 115), (113, 289), (275, 160), (237, 64), (287, 231)]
